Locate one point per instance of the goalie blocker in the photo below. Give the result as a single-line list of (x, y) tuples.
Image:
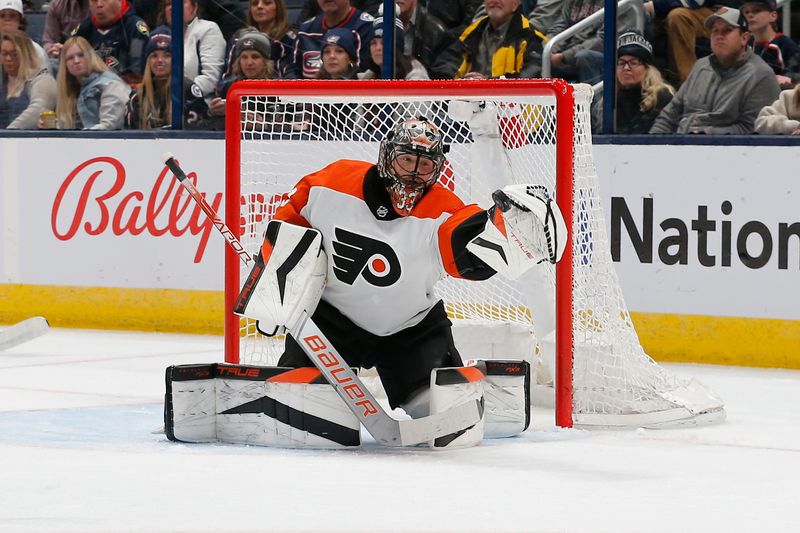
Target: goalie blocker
[(297, 408), (288, 277)]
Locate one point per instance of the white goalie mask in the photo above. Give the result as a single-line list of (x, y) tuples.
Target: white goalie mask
[(410, 160)]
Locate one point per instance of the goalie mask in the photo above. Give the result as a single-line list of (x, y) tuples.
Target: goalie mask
[(410, 160)]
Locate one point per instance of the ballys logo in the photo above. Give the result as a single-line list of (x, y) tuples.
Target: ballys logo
[(86, 202), (356, 254)]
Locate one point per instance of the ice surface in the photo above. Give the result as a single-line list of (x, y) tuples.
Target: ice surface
[(77, 454)]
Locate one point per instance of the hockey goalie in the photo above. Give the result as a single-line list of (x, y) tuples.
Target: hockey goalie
[(358, 247)]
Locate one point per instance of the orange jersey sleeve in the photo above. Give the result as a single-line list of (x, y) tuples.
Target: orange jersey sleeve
[(345, 175), (292, 203), (463, 225)]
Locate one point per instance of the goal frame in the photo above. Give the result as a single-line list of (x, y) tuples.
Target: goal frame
[(560, 90)]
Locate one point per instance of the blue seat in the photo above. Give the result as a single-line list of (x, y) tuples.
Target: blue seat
[(35, 25)]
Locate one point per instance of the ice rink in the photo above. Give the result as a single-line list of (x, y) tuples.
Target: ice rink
[(77, 409)]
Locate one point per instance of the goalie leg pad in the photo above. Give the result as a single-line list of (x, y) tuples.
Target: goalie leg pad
[(190, 403), (506, 391), (455, 386), (265, 406)]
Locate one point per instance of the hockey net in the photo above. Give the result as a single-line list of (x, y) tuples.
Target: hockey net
[(570, 320)]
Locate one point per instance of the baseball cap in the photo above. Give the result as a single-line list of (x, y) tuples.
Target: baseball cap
[(772, 5), (16, 5), (732, 16)]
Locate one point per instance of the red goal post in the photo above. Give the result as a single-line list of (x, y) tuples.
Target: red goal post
[(527, 131)]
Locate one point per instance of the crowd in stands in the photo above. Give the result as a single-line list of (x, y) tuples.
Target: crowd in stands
[(716, 68)]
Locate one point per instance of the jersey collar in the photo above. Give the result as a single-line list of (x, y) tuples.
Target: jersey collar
[(377, 197)]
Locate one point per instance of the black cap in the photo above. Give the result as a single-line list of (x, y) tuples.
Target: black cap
[(772, 5), (633, 43)]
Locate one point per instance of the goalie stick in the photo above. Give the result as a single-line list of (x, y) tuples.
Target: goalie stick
[(23, 331), (385, 429)]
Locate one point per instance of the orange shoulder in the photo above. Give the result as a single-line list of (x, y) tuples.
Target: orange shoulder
[(437, 200), (345, 176)]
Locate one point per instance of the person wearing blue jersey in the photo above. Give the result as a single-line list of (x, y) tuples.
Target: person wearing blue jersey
[(779, 51), (118, 36), (307, 58)]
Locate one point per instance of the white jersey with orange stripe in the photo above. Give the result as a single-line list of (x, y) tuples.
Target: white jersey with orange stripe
[(382, 267)]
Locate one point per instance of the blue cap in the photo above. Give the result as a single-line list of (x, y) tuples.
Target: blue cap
[(160, 39), (344, 38)]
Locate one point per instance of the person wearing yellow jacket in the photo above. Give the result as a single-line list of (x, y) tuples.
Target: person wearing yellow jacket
[(502, 43)]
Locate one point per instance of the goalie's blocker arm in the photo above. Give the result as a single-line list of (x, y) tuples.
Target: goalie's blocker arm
[(525, 227)]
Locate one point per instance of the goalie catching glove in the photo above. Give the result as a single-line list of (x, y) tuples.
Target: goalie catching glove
[(525, 227), (288, 277)]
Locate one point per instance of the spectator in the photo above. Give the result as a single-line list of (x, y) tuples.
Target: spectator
[(150, 106), (641, 90), (783, 116), (252, 61), (26, 86), (311, 8), (780, 52), (455, 14), (90, 95), (724, 91), (118, 36), (339, 58), (270, 17), (580, 57), (335, 14), (203, 54), (381, 116), (683, 22), (427, 39), (62, 19), (406, 68), (502, 43), (13, 18)]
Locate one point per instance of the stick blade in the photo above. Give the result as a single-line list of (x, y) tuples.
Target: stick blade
[(457, 418), (24, 331)]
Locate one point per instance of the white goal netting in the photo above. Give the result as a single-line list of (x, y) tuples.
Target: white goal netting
[(493, 141)]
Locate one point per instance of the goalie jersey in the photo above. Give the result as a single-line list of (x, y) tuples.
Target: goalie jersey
[(382, 267)]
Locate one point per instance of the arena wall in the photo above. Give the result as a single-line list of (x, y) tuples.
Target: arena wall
[(706, 239)]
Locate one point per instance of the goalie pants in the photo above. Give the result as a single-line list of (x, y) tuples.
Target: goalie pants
[(404, 360)]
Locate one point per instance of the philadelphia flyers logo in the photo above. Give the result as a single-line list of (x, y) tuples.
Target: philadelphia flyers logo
[(355, 255)]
